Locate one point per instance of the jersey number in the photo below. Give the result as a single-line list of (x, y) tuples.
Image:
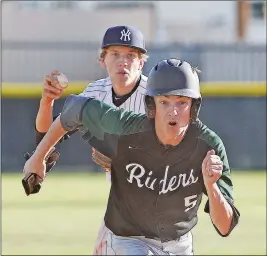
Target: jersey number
[(190, 202)]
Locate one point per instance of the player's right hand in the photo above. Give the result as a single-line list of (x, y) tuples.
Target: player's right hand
[(34, 173), (51, 87), (51, 159), (35, 165)]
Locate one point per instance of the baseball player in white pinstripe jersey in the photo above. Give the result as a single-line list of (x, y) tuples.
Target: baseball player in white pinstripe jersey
[(123, 55)]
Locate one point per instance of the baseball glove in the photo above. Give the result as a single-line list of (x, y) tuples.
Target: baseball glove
[(101, 160), (32, 182)]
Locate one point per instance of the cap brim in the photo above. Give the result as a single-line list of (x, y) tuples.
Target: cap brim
[(121, 44)]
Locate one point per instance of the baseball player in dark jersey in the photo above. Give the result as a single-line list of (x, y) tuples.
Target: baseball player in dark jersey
[(162, 164)]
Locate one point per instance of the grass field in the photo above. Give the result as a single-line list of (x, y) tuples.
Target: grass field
[(64, 217)]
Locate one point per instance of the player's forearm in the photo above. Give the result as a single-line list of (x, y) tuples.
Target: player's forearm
[(44, 116), (53, 135), (220, 211)]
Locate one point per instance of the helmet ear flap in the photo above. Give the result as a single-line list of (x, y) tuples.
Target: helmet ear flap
[(196, 104), (150, 107)]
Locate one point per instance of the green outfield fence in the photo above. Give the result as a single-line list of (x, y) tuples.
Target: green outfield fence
[(237, 112)]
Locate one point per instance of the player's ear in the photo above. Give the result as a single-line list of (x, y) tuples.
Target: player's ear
[(152, 113), (141, 64), (102, 62), (102, 57)]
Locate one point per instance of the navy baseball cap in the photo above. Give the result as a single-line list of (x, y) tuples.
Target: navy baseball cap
[(125, 36)]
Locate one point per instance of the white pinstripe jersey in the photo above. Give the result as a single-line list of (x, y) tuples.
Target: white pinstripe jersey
[(102, 90)]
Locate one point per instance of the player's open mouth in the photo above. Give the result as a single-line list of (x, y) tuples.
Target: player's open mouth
[(172, 123)]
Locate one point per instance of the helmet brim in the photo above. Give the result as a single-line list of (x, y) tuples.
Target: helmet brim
[(181, 92)]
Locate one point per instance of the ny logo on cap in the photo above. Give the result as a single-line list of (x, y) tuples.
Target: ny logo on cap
[(125, 35)]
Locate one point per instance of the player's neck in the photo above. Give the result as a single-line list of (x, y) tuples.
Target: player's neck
[(167, 140), (121, 90)]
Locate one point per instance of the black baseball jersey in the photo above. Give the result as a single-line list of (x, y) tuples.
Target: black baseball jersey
[(155, 190)]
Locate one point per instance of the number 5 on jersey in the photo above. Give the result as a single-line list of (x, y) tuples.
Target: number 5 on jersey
[(190, 202)]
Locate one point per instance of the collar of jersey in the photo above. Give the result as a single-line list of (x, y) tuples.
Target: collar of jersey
[(119, 100)]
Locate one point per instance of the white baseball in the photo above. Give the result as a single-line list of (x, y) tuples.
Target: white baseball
[(62, 80)]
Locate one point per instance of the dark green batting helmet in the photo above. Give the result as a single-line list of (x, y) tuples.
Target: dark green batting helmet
[(173, 77)]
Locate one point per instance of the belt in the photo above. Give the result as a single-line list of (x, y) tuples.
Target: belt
[(167, 240), (152, 237)]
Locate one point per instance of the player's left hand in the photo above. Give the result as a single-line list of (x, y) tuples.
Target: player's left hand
[(212, 167)]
